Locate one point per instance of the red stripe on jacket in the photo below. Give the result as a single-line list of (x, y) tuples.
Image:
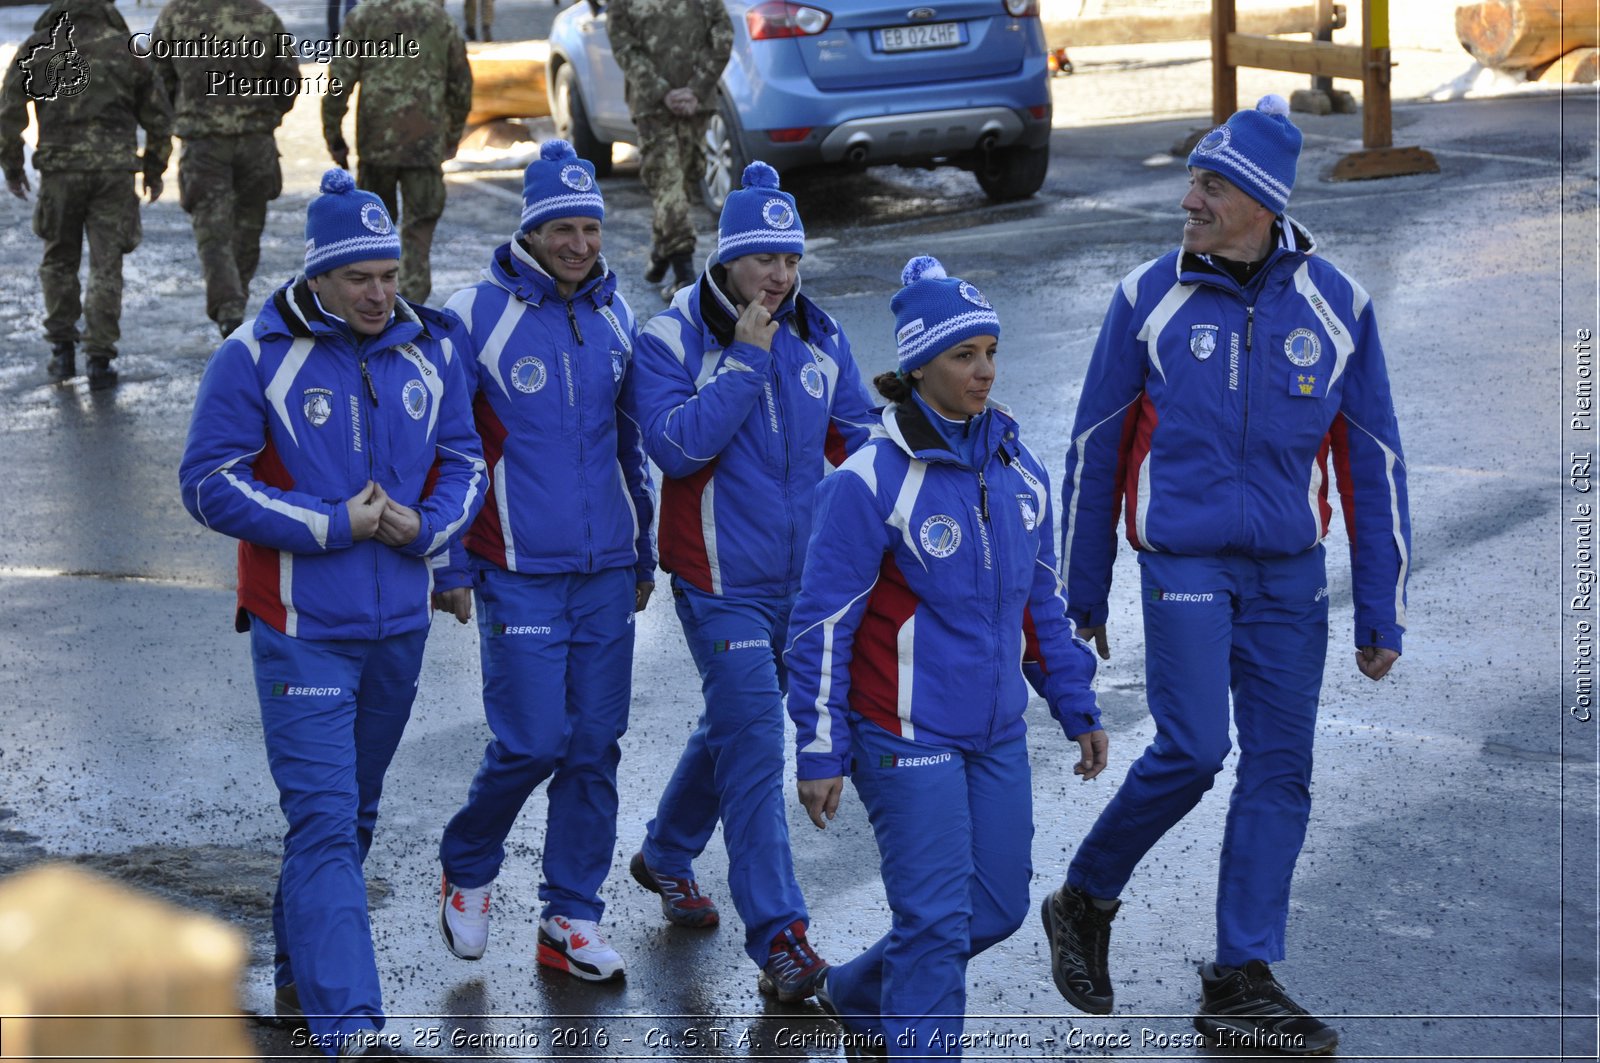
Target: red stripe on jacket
[(1137, 427), (1338, 440), (875, 666), (682, 535), (259, 575), (485, 537)]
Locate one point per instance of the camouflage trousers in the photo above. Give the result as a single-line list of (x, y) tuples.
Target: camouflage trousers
[(471, 17), (414, 196), (102, 205), (671, 163), (225, 184)]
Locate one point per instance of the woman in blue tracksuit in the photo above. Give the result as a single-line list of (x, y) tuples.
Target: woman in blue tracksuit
[(560, 559), (748, 394), (930, 563)]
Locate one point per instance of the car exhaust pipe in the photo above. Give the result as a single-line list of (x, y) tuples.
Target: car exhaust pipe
[(856, 154), (989, 141)]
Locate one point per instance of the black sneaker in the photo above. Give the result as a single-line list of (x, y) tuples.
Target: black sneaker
[(101, 375), (658, 269), (1080, 937), (63, 363), (1245, 1007)]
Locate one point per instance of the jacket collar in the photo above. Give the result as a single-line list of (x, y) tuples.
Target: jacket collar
[(1291, 240), (908, 428), (708, 304), (294, 313), (514, 268)]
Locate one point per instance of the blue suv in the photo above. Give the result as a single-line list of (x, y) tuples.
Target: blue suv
[(849, 83)]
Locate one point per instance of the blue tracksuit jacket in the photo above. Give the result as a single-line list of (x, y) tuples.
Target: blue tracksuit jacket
[(918, 579), (742, 436), (570, 487), (293, 417), (1213, 416)]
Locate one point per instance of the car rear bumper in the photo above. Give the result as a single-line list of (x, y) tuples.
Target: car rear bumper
[(922, 135)]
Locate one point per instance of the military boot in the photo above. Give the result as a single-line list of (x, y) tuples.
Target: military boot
[(682, 276), (658, 268), (101, 375), (63, 362)]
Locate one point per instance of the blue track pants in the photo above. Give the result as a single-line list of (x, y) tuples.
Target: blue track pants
[(557, 654), (333, 711), (733, 766), (955, 834), (1257, 628)]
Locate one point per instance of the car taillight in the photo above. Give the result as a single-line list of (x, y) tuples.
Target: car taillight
[(788, 136), (1041, 110), (1022, 8), (779, 18)]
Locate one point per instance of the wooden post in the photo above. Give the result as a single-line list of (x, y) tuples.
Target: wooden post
[(1323, 32), (92, 971), (1224, 77), (1377, 126)]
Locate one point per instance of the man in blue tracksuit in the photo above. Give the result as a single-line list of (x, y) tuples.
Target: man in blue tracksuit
[(931, 555), (1231, 377), (333, 437), (560, 559), (747, 394)]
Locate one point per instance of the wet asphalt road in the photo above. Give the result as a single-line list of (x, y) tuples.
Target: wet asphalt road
[(1445, 903)]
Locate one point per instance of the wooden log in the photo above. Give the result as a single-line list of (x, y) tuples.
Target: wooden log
[(1149, 29), (1519, 34), (1581, 66), (91, 970), (1318, 58), (508, 81)]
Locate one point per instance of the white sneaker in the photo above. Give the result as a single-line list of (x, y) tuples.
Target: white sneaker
[(464, 918), (577, 947)]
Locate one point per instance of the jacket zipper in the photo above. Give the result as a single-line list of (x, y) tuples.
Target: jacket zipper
[(994, 547), (575, 381), (372, 393), (1244, 433)]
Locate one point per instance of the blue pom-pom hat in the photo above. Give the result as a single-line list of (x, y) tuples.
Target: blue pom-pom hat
[(558, 184), (1258, 150), (759, 218), (935, 311), (345, 224)]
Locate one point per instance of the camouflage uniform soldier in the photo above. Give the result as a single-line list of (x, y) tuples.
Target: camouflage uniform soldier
[(671, 52), (471, 8), (228, 169), (411, 116), (90, 95)]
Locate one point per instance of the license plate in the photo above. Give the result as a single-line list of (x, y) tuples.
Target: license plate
[(918, 38)]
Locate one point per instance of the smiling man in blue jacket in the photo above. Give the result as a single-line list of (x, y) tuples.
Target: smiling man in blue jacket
[(1233, 378), (332, 436)]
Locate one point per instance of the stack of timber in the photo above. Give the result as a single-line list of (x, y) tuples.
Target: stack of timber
[(1543, 40), (90, 970), (508, 81)]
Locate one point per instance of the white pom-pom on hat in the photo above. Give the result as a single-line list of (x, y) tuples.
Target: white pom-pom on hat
[(552, 150), (759, 175), (337, 180), (1272, 103), (922, 267)]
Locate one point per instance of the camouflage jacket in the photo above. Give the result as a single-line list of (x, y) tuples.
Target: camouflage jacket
[(90, 95), (199, 87), (412, 110), (669, 44)]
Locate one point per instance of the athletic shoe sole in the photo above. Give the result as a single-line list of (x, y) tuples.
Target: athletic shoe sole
[(768, 988), (552, 956), (1088, 1005)]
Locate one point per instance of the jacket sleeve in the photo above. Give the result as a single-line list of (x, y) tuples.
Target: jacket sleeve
[(283, 67), (218, 475), (347, 68), (685, 427), (848, 541), (161, 62), (1091, 491), (636, 471), (458, 91), (852, 408), (1370, 469), (156, 118), (13, 116), (719, 46), (459, 476), (634, 53), (1066, 661)]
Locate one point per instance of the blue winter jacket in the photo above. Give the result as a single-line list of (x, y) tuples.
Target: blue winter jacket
[(1212, 415), (294, 415), (570, 488), (920, 580), (742, 435)]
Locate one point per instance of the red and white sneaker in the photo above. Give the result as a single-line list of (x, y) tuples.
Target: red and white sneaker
[(464, 918), (577, 947)]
